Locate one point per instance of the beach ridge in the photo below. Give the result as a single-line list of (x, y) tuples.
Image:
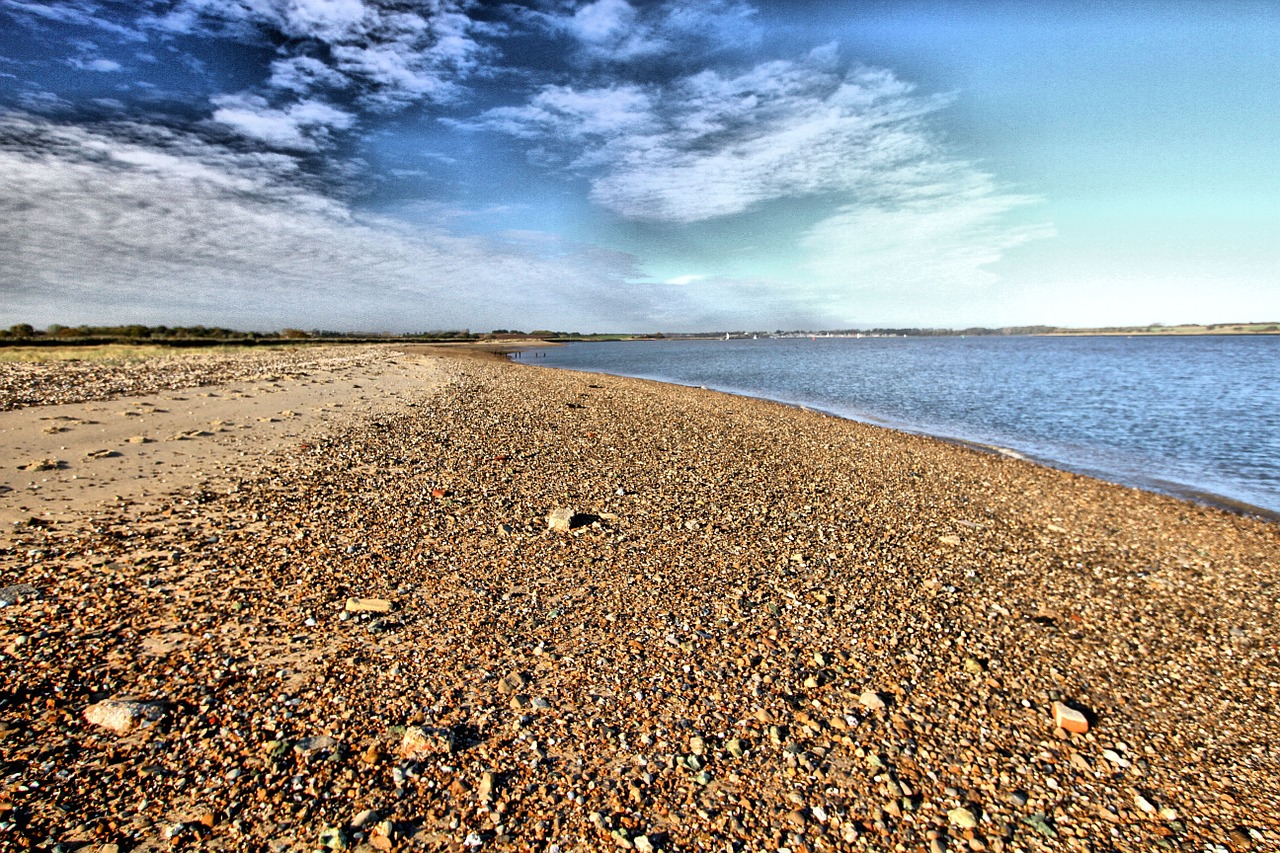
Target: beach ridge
[(764, 627)]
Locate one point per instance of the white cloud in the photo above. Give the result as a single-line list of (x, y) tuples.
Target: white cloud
[(104, 65), (301, 126), (711, 145), (938, 241), (682, 280), (615, 31), (134, 223), (84, 13), (386, 53), (904, 212), (304, 74)]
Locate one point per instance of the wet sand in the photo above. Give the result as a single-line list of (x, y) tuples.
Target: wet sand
[(764, 629)]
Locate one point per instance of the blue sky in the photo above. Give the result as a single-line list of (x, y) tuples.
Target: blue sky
[(638, 166)]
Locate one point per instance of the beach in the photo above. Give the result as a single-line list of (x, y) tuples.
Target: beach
[(398, 599)]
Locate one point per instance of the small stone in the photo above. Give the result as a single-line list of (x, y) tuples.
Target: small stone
[(1018, 798), (643, 844), (735, 748), (1241, 838), (697, 745), (316, 743), (122, 716), (937, 845), (364, 817), (1168, 813), (1144, 804), (420, 741), (1069, 719), (871, 701), (511, 682), (962, 818), (333, 838), (368, 605), (560, 519), (505, 530), (485, 791), (1116, 758), (17, 593), (973, 666), (1040, 823), (372, 755)]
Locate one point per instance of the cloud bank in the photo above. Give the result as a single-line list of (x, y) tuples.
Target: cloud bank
[(139, 223), (673, 115)]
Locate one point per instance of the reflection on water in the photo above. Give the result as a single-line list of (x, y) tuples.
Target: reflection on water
[(1178, 414)]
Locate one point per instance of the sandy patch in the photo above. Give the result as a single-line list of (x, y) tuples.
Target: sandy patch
[(61, 461)]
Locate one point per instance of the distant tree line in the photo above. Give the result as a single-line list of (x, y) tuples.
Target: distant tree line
[(25, 333)]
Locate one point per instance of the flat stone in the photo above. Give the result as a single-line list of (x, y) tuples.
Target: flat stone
[(123, 716), (871, 701), (369, 605), (17, 593), (316, 743), (1069, 719), (962, 818)]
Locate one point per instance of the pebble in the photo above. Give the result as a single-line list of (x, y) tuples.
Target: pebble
[(369, 605), (123, 716), (650, 633), (1069, 719), (561, 519), (17, 594), (871, 701)]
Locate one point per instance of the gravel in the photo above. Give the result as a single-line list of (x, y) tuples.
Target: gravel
[(764, 629)]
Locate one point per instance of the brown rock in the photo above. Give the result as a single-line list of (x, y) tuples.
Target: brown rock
[(1069, 719), (122, 716)]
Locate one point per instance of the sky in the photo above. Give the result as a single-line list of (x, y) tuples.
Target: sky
[(634, 166)]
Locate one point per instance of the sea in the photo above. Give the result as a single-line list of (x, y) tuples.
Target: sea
[(1192, 416)]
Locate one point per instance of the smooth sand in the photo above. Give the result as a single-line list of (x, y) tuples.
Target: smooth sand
[(146, 447)]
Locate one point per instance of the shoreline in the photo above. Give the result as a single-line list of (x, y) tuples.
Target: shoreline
[(767, 627), (1153, 485)]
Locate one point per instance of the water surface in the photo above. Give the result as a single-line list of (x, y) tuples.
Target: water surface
[(1194, 416)]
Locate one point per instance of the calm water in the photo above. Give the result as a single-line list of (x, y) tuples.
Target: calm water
[(1181, 415)]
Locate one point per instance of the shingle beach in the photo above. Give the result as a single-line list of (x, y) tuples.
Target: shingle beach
[(378, 599)]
